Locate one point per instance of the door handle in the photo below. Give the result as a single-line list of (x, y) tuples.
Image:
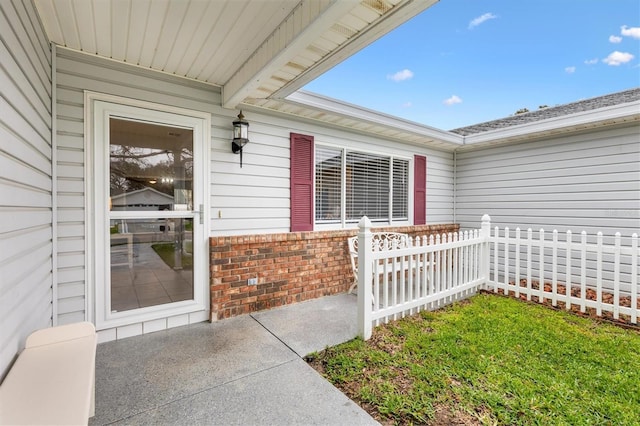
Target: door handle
[(200, 213)]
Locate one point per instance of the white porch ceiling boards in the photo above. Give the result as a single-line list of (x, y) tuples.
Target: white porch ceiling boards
[(206, 40), (253, 49)]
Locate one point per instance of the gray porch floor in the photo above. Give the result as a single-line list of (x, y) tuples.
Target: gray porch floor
[(245, 370)]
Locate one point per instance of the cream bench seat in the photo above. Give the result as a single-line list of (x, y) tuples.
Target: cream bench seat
[(379, 240), (53, 379)]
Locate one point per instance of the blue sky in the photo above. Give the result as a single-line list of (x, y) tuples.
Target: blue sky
[(463, 62)]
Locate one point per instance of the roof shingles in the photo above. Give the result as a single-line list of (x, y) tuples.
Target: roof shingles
[(552, 112)]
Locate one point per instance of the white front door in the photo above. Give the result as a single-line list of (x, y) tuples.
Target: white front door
[(149, 191)]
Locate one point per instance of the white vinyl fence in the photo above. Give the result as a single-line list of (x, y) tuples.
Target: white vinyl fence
[(435, 271), (577, 274), (431, 272)]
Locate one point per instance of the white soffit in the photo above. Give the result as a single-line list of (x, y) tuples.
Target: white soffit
[(341, 114), (367, 22), (205, 40), (253, 49)]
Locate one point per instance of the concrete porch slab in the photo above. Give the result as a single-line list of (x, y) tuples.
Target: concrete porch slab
[(230, 372), (313, 325), (289, 394)]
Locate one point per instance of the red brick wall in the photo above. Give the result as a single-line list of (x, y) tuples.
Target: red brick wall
[(290, 267)]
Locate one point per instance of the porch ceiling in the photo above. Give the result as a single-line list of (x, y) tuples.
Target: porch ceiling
[(253, 49)]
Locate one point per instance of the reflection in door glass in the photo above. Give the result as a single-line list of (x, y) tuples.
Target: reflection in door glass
[(150, 170), (151, 167), (151, 262)]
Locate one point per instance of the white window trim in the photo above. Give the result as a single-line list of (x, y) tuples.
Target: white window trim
[(343, 223)]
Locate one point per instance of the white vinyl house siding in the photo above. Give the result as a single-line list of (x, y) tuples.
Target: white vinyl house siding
[(439, 187), (588, 182), (25, 179), (271, 157), (253, 199), (585, 182)]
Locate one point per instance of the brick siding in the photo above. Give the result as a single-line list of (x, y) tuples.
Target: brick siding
[(290, 267)]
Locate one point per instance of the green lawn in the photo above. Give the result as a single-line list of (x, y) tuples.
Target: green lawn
[(166, 251), (492, 360)]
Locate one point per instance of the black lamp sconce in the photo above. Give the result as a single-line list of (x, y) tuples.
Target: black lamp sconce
[(240, 135)]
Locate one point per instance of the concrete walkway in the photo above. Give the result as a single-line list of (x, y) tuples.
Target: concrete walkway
[(245, 370)]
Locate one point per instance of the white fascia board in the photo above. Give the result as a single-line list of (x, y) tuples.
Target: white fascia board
[(628, 112), (347, 110), (281, 46), (400, 14)]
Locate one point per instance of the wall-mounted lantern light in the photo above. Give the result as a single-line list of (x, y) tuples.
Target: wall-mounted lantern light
[(240, 135)]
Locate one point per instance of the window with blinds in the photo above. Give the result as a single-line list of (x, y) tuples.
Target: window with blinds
[(328, 184), (367, 187), (359, 184), (400, 189)]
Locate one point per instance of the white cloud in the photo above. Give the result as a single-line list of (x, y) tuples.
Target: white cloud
[(618, 58), (615, 39), (633, 32), (570, 70), (452, 100), (405, 74), (480, 19), (591, 61), (407, 105)]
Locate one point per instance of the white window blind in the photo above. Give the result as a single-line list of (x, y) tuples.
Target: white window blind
[(328, 165), (359, 184), (367, 189), (400, 189)]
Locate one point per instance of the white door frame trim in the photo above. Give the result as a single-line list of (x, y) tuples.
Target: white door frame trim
[(93, 266)]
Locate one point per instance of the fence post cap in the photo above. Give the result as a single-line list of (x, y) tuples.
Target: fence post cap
[(486, 218), (364, 223)]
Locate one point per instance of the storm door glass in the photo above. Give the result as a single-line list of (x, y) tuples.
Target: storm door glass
[(150, 214)]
